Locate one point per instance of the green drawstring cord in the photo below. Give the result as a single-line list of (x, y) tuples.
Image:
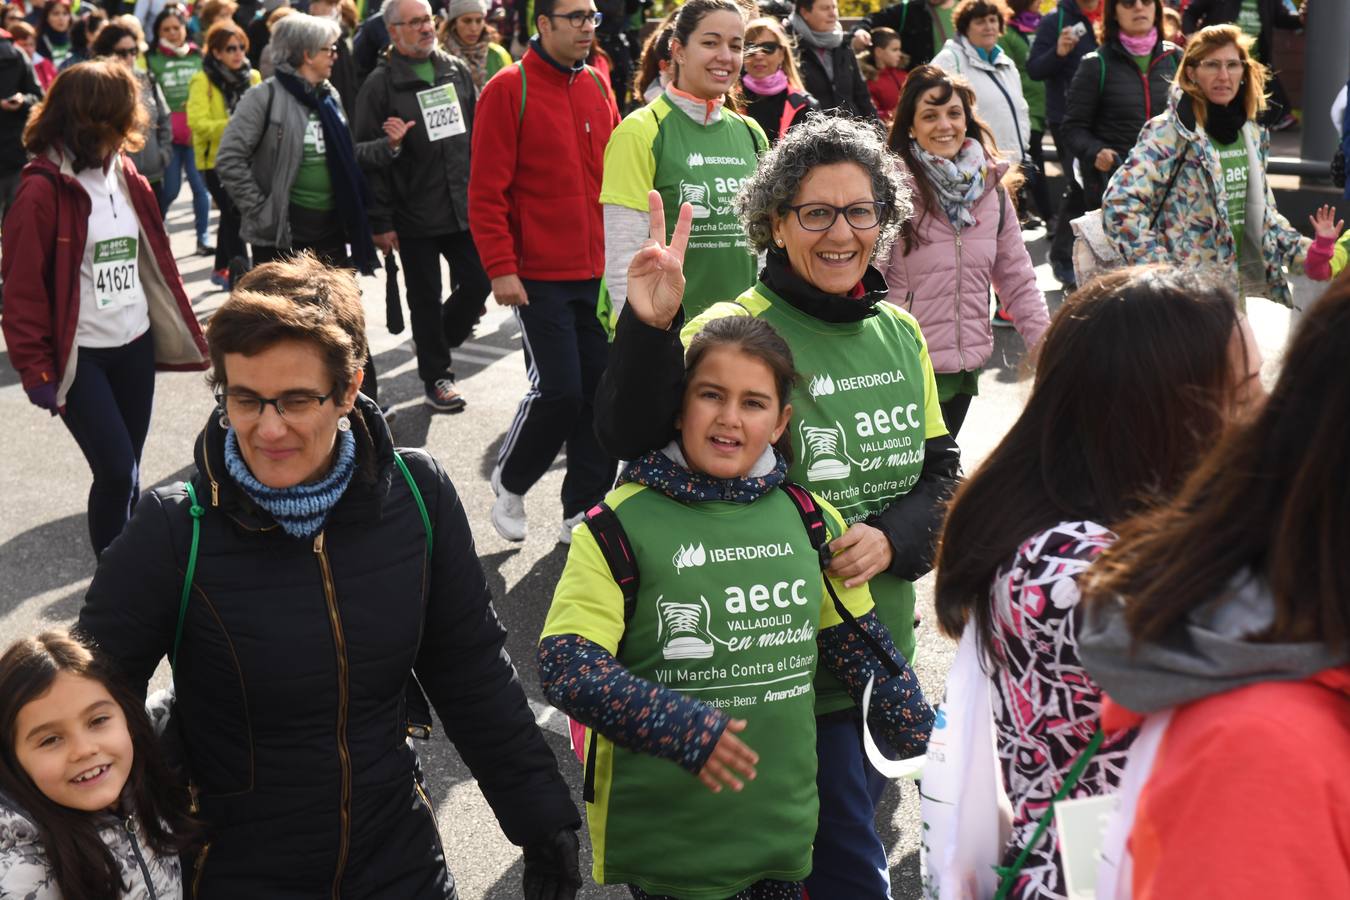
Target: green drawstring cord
[(196, 511), (1007, 874)]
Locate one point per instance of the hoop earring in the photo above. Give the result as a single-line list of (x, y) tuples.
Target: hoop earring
[(224, 420), (344, 424)]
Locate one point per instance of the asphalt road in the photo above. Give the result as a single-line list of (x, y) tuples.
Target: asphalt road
[(46, 561)]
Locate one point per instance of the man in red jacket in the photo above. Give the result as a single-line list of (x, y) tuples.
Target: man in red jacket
[(534, 210)]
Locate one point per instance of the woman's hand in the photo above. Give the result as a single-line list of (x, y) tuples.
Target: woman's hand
[(731, 755), (1325, 224), (656, 274), (861, 553), (1106, 158)]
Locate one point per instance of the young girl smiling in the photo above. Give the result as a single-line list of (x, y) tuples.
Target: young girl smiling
[(87, 807), (714, 657)]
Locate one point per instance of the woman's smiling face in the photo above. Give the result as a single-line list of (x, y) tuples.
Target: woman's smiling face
[(835, 259), (758, 63), (711, 62), (939, 126)]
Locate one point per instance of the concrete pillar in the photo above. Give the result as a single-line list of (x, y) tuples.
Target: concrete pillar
[(1327, 37)]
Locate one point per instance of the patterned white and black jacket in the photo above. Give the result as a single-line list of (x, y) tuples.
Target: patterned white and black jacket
[(26, 875)]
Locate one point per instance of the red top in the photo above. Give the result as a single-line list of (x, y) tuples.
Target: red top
[(43, 247), (885, 90), (534, 180), (1249, 796)]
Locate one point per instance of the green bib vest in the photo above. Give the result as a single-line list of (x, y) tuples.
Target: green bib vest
[(1234, 164), (173, 74), (858, 431), (704, 166), (728, 611)]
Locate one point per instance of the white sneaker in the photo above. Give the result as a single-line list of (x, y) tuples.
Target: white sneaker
[(565, 536), (508, 510)]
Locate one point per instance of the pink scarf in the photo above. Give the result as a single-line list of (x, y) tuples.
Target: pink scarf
[(1139, 46), (767, 87)]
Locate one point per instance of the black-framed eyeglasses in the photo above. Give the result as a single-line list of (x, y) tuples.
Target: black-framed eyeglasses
[(248, 407), (579, 18), (766, 47), (822, 216), (1129, 3), (127, 53), (234, 48)]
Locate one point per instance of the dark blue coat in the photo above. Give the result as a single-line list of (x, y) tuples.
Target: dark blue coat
[(1044, 64)]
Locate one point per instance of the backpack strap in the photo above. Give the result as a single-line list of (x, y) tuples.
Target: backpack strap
[(196, 511), (614, 546), (1002, 207), (416, 708), (814, 519), (1101, 76), (595, 76)]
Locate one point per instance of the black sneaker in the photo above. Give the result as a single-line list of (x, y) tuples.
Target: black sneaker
[(205, 249), (442, 396)]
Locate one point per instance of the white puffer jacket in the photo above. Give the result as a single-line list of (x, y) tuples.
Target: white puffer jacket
[(25, 873), (998, 94)]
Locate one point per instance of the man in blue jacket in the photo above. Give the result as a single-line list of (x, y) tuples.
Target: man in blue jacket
[(1062, 40)]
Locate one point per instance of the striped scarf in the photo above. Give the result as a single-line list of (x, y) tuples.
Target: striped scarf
[(303, 509)]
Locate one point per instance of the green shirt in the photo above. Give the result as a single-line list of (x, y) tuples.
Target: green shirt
[(173, 74), (660, 147), (1142, 61), (730, 603), (313, 187), (1249, 20), (943, 27), (1233, 159), (423, 69), (866, 404)]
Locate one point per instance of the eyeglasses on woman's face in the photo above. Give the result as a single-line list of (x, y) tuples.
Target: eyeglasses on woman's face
[(232, 48), (822, 216), (579, 18), (1132, 3), (1215, 66), (768, 48), (126, 52), (245, 407)]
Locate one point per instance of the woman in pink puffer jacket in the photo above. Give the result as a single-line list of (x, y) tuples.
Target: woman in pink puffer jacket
[(962, 239)]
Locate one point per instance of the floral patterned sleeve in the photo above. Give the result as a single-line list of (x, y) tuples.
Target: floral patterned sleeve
[(584, 680), (1046, 706)]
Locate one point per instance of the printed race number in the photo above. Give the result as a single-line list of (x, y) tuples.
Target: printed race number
[(117, 279), (440, 112)]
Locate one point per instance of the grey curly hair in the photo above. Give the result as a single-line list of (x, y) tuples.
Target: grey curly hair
[(821, 141)]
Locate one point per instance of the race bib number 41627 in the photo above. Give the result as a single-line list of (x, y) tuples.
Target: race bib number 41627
[(440, 112), (116, 278)]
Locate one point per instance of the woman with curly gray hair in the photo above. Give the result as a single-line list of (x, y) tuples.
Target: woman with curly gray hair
[(825, 203)]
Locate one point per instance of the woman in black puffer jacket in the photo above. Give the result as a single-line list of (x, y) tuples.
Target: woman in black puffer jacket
[(316, 598), (1118, 88)]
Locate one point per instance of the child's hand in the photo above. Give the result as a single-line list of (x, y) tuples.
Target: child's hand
[(731, 755), (1325, 224)]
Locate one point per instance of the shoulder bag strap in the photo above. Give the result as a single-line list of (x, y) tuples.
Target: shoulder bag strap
[(1162, 201), (1009, 874)]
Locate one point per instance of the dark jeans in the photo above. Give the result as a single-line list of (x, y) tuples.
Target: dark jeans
[(1037, 186), (421, 258), (108, 413), (229, 244), (332, 252), (1071, 206), (566, 351), (849, 859), (954, 412)]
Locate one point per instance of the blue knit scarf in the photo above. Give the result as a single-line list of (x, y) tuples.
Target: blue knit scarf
[(667, 471), (301, 510)]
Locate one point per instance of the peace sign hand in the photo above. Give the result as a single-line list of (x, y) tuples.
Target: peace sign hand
[(656, 274)]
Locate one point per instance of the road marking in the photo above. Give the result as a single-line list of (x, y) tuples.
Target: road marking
[(549, 718)]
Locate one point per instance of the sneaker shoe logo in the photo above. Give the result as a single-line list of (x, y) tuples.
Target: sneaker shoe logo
[(682, 629), (695, 159), (826, 452), (696, 195), (821, 385), (689, 557)]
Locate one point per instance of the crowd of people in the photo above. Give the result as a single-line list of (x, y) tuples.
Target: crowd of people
[(756, 261)]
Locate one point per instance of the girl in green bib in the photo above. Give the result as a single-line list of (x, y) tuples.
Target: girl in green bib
[(712, 659), (173, 60), (691, 146)]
